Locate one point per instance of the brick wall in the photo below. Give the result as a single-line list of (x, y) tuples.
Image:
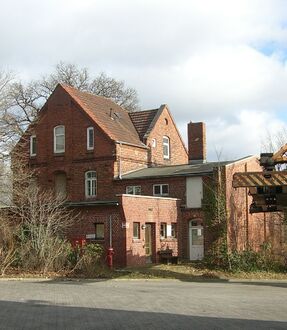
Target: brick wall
[(177, 186), (196, 142), (88, 216), (129, 158), (245, 229), (166, 127), (153, 210)]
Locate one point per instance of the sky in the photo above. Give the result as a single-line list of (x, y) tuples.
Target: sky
[(222, 62)]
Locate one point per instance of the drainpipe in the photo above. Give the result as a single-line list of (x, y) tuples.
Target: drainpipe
[(110, 249), (247, 213), (120, 161)]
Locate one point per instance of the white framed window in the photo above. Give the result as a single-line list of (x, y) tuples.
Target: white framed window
[(91, 183), (136, 230), (90, 138), (33, 145), (153, 143), (133, 190), (163, 232), (166, 147), (160, 189), (59, 139)]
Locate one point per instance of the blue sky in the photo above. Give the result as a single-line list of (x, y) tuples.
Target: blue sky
[(223, 62)]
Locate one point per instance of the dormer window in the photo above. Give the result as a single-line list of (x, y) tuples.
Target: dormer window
[(166, 147), (33, 145), (90, 138), (59, 139)]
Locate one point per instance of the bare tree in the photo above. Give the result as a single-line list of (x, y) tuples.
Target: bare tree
[(20, 103), (35, 224), (273, 142)]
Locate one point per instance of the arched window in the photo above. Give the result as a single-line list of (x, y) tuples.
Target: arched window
[(59, 139), (166, 147), (61, 185), (91, 183)]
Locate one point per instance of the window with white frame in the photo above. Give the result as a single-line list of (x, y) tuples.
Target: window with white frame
[(153, 143), (90, 138), (160, 189), (136, 230), (166, 147), (59, 139), (91, 183), (33, 145), (133, 190), (163, 230)]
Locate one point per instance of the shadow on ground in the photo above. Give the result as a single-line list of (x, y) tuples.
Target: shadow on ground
[(41, 315)]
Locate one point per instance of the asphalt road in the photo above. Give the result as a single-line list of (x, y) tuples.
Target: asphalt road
[(142, 304)]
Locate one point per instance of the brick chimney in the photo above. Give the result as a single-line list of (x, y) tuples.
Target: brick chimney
[(196, 143)]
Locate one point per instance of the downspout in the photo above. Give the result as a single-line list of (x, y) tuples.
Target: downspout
[(247, 213), (120, 162)]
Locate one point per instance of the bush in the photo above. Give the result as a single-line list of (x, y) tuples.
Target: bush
[(8, 249), (247, 260), (87, 259)]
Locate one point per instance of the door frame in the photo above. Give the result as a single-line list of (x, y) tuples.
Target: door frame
[(149, 258), (190, 228)]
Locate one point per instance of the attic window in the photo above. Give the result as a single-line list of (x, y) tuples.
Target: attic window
[(166, 121), (153, 143), (90, 138), (33, 145), (59, 139), (166, 147)]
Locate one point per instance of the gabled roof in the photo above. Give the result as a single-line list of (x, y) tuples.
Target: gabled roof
[(178, 170), (143, 120), (109, 116)]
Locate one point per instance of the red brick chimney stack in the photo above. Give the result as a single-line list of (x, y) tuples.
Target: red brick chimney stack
[(196, 133)]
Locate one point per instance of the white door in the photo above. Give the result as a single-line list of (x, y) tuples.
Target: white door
[(196, 247)]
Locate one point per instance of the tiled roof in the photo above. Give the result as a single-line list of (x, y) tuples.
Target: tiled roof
[(142, 120), (109, 116)]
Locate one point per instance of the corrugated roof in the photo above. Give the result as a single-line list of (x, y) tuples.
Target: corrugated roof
[(177, 170), (142, 120), (112, 119)]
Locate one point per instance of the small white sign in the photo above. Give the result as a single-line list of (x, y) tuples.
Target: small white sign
[(125, 225), (90, 236)]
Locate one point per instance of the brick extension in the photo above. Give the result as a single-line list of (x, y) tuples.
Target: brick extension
[(126, 148)]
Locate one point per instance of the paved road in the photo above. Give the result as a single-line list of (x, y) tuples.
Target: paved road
[(140, 304)]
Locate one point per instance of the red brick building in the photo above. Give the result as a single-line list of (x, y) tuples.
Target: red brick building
[(132, 179)]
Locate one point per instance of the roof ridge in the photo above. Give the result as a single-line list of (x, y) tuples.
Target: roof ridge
[(98, 108), (91, 94)]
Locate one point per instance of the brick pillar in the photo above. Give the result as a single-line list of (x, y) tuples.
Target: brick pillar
[(196, 133)]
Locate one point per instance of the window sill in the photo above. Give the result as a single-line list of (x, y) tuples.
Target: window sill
[(168, 239), (137, 240)]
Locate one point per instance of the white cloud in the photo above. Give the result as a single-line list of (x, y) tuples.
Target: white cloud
[(223, 62)]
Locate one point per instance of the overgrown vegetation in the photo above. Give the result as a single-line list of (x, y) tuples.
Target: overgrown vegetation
[(33, 229), (221, 255)]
